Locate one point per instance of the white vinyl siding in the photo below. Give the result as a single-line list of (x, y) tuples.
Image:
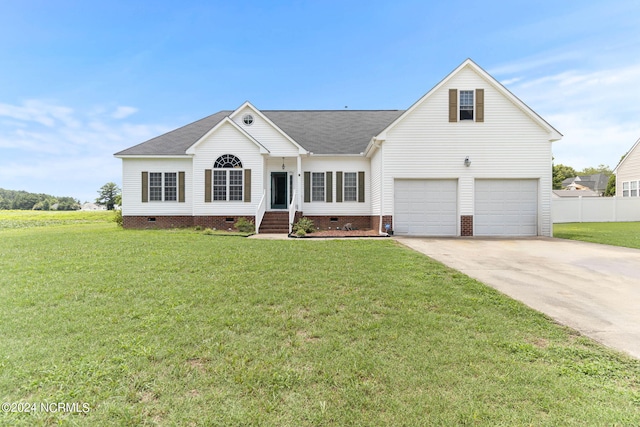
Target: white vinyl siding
[(375, 181), (628, 170), (277, 144), (508, 145), (323, 164), (227, 140), (132, 170)]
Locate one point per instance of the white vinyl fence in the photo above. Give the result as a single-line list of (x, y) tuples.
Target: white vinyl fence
[(595, 209)]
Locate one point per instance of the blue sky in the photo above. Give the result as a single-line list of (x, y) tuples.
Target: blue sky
[(81, 80)]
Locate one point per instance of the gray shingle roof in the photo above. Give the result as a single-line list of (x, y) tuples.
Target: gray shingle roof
[(333, 131), (321, 132), (176, 141)]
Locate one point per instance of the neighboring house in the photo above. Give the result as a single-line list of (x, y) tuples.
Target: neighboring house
[(468, 158), (596, 182), (628, 173), (88, 206), (574, 193)]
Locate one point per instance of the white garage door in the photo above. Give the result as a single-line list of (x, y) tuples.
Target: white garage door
[(506, 207), (425, 207)]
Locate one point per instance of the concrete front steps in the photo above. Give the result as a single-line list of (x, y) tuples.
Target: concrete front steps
[(275, 222)]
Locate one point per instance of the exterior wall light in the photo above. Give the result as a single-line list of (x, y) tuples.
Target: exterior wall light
[(467, 162)]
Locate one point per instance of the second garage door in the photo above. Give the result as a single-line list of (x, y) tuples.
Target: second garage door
[(507, 207), (425, 207)]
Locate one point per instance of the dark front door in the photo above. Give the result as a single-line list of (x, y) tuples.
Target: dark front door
[(278, 190)]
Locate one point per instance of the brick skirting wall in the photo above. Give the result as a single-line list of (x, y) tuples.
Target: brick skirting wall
[(226, 222), (331, 222), (386, 219), (159, 221), (466, 225)]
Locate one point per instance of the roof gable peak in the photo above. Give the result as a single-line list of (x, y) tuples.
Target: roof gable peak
[(554, 135), (260, 114), (226, 120)]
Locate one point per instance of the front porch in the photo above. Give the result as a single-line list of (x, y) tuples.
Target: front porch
[(280, 198)]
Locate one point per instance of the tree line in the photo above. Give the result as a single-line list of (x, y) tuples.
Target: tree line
[(109, 196), (23, 200)]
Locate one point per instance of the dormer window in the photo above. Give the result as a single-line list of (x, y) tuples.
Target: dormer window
[(466, 105)]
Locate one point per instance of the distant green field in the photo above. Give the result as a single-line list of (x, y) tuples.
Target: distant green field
[(625, 234), (177, 327), (23, 219)]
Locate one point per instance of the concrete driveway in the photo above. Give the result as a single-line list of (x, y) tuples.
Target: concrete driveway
[(592, 288)]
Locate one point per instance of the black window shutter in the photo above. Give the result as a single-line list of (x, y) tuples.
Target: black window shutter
[(361, 186), (328, 188), (145, 187), (453, 105), (181, 190), (207, 185), (247, 185), (338, 187), (307, 187), (479, 105)]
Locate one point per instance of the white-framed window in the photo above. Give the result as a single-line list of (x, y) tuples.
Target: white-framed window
[(227, 178), (163, 186), (170, 187), (633, 191), (317, 186), (466, 105), (625, 189), (350, 187), (247, 119), (155, 186)]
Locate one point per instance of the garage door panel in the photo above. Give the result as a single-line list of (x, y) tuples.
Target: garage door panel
[(506, 207), (426, 207)]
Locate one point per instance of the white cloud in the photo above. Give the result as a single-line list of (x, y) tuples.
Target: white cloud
[(511, 81), (58, 150), (40, 112), (596, 110), (123, 112)]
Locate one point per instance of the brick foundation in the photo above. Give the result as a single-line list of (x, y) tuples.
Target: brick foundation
[(326, 223), (363, 222), (466, 225), (386, 219), (158, 221), (219, 222)]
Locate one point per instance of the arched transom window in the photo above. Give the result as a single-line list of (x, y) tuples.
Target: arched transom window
[(228, 161), (227, 178)]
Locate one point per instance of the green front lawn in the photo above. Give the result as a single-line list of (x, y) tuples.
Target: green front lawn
[(625, 234), (184, 328)]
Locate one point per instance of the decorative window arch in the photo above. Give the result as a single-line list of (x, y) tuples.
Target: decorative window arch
[(227, 178), (227, 161)]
